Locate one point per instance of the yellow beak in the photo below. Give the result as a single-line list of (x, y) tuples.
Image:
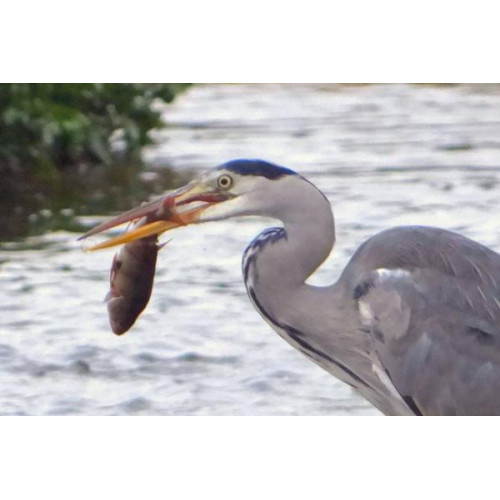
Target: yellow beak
[(169, 212)]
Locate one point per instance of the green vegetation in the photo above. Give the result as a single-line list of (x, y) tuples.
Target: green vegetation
[(72, 146)]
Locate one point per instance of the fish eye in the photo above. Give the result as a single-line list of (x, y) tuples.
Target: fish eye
[(225, 181)]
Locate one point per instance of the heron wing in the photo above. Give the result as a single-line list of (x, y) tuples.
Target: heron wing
[(434, 326)]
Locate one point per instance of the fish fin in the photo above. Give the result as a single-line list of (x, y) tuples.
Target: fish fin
[(161, 245), (110, 296), (114, 268)]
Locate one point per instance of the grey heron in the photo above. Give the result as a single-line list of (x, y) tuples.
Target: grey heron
[(413, 321)]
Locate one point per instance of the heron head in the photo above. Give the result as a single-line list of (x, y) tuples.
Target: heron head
[(235, 188)]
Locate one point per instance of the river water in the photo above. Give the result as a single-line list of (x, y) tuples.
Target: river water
[(384, 155)]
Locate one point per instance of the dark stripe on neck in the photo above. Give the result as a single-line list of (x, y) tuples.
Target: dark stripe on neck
[(298, 337), (251, 292), (270, 235), (412, 405)]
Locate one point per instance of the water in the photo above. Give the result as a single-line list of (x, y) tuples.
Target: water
[(384, 156)]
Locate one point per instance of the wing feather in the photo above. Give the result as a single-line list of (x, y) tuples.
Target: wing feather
[(433, 320)]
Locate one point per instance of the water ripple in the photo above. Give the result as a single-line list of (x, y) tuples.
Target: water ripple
[(384, 155)]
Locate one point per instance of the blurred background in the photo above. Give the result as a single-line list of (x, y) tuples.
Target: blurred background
[(69, 149), (73, 154)]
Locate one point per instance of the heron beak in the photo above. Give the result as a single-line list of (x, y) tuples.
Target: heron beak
[(178, 208)]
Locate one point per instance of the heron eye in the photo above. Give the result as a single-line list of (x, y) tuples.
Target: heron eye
[(225, 181)]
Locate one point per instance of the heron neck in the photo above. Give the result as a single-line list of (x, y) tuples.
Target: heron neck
[(308, 244), (276, 275), (308, 239)]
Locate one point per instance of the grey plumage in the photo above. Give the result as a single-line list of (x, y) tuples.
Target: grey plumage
[(433, 320), (412, 323)]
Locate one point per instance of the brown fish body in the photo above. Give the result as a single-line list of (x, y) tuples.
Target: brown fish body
[(131, 282)]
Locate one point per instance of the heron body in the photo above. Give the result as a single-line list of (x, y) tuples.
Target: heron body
[(412, 323), (402, 322)]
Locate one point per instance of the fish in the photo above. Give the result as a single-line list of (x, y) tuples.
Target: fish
[(131, 281), (133, 269)]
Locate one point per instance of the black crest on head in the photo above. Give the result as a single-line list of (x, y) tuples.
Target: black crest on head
[(256, 167)]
